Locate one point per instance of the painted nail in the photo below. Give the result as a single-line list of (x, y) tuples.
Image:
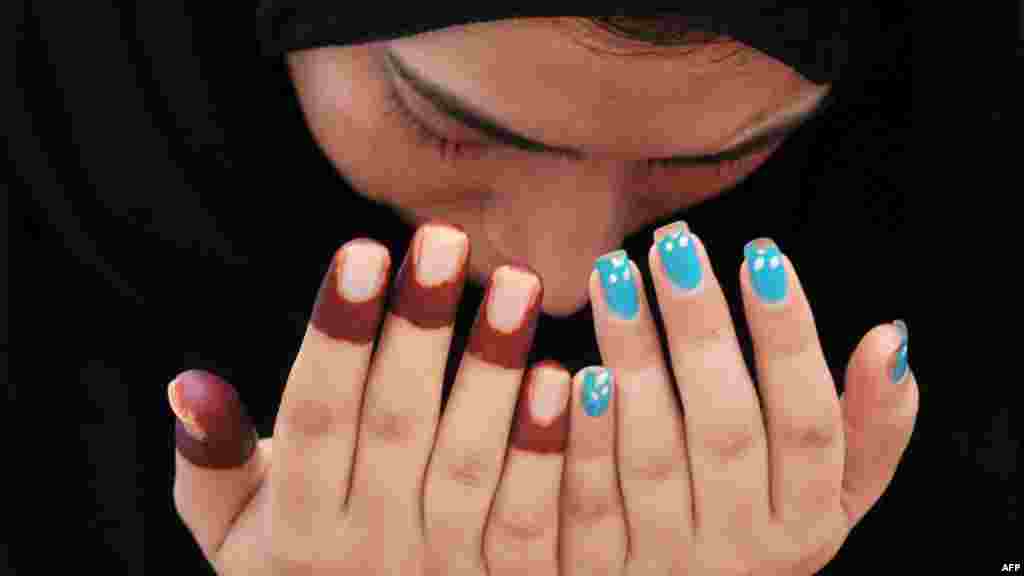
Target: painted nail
[(503, 330), (767, 271), (351, 296), (213, 429), (898, 364), (617, 282), (541, 418), (677, 251), (597, 390), (442, 250), (361, 271), (510, 298), (428, 296)]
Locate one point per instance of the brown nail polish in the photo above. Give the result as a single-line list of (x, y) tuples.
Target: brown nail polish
[(339, 318), (428, 306), (508, 349), (531, 434), (212, 428)]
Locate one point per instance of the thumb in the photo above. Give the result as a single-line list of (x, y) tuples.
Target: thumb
[(218, 464), (879, 405)]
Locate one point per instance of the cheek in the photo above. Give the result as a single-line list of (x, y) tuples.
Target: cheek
[(333, 108), (343, 97)]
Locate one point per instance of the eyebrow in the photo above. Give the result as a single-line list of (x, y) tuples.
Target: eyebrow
[(467, 115)]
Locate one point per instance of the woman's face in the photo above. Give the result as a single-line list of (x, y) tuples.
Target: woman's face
[(541, 137)]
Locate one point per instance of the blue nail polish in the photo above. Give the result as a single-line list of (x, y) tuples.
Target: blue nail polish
[(767, 271), (899, 368), (618, 283), (678, 254), (597, 391)]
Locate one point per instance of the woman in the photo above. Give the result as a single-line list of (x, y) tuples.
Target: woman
[(528, 142), (525, 153)]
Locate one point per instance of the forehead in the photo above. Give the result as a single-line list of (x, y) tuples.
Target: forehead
[(553, 82)]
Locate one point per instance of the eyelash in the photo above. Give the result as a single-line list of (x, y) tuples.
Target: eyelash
[(447, 149), (450, 150)]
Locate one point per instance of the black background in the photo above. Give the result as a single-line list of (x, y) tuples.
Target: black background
[(179, 216)]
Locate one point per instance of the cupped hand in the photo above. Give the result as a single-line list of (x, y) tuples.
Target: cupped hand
[(364, 475), (731, 481), (367, 476)]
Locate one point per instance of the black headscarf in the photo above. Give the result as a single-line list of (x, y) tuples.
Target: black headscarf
[(814, 41)]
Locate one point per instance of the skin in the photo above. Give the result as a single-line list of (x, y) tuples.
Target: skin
[(512, 203), (365, 474)]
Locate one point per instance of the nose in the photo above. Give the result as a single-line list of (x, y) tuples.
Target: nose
[(558, 215)]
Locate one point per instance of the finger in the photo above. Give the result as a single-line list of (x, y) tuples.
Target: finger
[(315, 431), (522, 530), (798, 395), (217, 464), (725, 434), (653, 472), (593, 538), (879, 405), (403, 390), (467, 459)]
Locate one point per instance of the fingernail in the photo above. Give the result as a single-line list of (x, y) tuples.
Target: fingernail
[(677, 251), (441, 251), (767, 270), (617, 283), (184, 415), (541, 422), (898, 364), (503, 330), (513, 291), (213, 429), (549, 392), (597, 390), (428, 295), (350, 300), (361, 271)]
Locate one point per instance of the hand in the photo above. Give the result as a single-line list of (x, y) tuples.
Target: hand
[(364, 476), (732, 484)]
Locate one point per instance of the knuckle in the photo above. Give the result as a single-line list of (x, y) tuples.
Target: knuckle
[(309, 418), (472, 470), (809, 435), (655, 469), (712, 337), (796, 340), (588, 510), (520, 528), (389, 426), (732, 445)]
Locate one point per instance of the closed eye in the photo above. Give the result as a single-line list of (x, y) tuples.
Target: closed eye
[(453, 108)]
